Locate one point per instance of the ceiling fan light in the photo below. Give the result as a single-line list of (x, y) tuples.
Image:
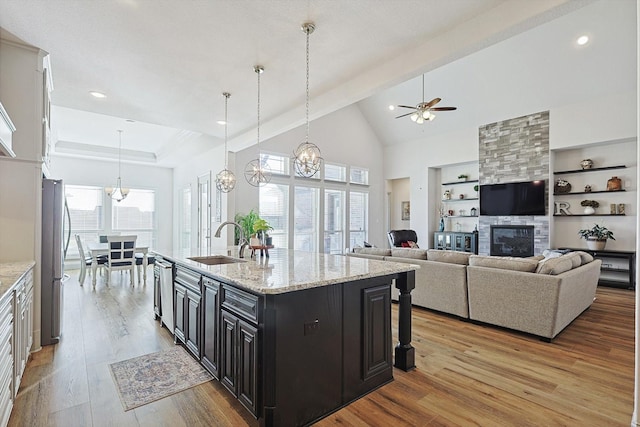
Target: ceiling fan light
[(432, 116), (415, 116), (425, 114), (420, 120)]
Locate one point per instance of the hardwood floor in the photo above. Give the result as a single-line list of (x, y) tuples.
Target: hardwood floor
[(467, 374)]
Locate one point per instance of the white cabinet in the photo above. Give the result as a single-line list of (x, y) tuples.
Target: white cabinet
[(6, 133), (6, 357), (23, 325)]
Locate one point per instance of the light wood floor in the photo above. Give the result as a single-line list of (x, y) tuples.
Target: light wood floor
[(466, 374)]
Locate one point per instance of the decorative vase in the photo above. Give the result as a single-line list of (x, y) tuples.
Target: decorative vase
[(614, 184), (447, 195), (441, 226), (586, 164), (596, 245), (589, 210)]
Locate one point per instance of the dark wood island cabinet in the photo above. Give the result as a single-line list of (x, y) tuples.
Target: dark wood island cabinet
[(290, 351)]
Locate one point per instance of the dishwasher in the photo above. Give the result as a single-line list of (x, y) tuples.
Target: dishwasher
[(166, 293)]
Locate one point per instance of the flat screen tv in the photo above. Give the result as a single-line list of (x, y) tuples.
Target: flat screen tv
[(513, 198)]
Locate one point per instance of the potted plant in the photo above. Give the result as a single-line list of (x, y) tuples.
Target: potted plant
[(246, 222), (596, 237), (590, 206), (463, 177), (261, 227)]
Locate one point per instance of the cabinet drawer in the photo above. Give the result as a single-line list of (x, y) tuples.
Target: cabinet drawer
[(240, 302), (188, 278)]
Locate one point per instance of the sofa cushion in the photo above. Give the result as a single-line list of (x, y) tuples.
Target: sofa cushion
[(585, 258), (372, 251), (576, 260), (409, 253), (506, 263), (554, 266), (453, 257)]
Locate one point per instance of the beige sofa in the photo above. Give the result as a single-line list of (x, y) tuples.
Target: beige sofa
[(534, 295), (540, 299), (441, 280)]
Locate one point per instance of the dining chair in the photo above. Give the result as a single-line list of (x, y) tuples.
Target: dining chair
[(121, 255), (85, 260), (139, 261)]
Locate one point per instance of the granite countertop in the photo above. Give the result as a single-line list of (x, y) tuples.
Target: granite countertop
[(287, 270), (11, 272)]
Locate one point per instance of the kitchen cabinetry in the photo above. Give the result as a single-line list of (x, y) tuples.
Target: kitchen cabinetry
[(23, 326), (239, 345), (211, 326), (6, 357), (157, 311), (452, 241), (187, 303)]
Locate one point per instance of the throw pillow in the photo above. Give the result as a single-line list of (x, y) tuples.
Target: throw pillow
[(368, 245), (405, 244), (413, 245), (585, 258), (554, 266)]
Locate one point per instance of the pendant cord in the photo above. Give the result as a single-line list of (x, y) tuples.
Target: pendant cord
[(258, 142), (226, 99), (307, 100), (119, 153)]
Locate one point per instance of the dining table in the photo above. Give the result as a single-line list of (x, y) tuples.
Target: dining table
[(98, 249)]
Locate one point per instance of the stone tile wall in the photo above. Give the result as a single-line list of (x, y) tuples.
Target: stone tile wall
[(510, 151)]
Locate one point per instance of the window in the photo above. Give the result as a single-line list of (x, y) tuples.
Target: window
[(136, 215), (204, 211), (274, 208), (305, 218), (279, 164), (334, 221), (359, 176), (335, 172), (85, 209), (358, 218)]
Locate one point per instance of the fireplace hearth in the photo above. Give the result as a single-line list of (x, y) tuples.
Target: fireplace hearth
[(512, 240)]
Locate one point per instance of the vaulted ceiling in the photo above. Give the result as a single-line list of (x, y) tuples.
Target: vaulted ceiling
[(164, 64)]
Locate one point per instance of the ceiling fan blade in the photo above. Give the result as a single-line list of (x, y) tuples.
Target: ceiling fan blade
[(404, 115), (406, 106), (433, 102), (444, 108)]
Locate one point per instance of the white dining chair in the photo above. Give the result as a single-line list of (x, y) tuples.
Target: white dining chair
[(121, 255), (85, 260)]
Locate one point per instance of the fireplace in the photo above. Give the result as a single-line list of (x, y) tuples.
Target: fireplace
[(512, 240)]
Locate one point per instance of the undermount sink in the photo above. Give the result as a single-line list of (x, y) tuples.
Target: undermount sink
[(215, 259)]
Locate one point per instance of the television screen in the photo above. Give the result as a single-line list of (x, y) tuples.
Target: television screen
[(513, 198)]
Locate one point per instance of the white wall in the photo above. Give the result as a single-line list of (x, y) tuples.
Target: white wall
[(400, 191), (571, 126), (344, 137), (78, 171)]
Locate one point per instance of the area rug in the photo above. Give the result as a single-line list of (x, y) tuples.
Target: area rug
[(145, 379)]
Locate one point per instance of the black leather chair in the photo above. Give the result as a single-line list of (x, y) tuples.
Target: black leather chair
[(398, 237)]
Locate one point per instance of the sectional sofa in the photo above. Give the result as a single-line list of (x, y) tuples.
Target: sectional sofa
[(537, 295)]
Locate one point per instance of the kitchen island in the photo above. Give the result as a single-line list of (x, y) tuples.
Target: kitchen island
[(294, 336)]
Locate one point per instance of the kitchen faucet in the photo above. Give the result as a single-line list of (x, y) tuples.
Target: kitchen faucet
[(243, 242)]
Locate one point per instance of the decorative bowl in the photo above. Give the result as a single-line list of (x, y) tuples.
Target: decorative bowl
[(561, 187), (586, 164)]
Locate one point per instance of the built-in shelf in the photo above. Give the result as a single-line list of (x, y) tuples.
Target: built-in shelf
[(459, 200), (461, 216), (461, 182), (560, 215), (590, 170), (587, 192)]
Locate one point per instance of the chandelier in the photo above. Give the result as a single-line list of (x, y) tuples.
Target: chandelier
[(307, 158), (225, 179), (118, 193), (257, 172)]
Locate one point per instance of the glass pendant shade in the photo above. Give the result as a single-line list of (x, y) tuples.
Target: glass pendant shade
[(118, 193), (307, 159), (225, 179)]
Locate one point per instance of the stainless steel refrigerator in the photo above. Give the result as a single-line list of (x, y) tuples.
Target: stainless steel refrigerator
[(52, 260)]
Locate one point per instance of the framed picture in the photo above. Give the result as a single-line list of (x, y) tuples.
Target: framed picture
[(406, 211)]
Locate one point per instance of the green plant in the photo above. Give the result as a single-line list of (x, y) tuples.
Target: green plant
[(246, 222), (597, 232), (476, 187), (592, 203), (463, 176), (261, 226)]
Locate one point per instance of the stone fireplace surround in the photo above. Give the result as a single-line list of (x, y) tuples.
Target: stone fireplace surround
[(511, 151)]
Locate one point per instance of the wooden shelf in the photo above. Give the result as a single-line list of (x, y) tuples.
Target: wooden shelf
[(461, 216), (459, 200), (460, 182), (587, 192), (590, 170)]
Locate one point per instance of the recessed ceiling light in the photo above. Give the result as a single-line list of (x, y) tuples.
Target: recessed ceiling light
[(582, 40), (221, 122), (392, 107), (98, 94)]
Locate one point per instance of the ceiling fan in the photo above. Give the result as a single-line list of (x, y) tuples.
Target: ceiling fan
[(424, 110)]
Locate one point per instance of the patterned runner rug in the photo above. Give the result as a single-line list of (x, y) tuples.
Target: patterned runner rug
[(145, 379)]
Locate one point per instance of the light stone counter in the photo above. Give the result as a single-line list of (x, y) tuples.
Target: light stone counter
[(287, 270), (11, 272)]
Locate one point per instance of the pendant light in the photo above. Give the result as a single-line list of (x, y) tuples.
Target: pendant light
[(225, 180), (306, 158), (118, 193), (258, 172)]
